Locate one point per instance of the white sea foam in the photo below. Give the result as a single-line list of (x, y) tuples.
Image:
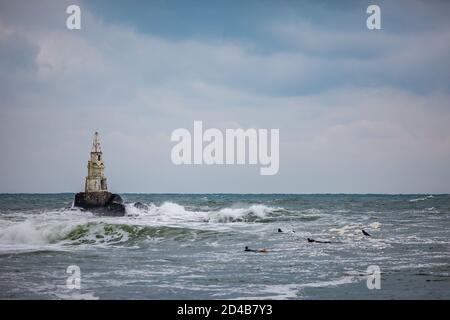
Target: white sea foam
[(375, 225), (312, 211), (241, 214), (64, 227), (345, 229), (419, 265), (354, 228), (172, 212), (74, 295), (36, 232), (293, 291), (421, 199), (330, 283), (22, 233), (169, 212)]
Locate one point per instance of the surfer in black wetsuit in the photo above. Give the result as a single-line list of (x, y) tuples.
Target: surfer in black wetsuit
[(279, 230), (365, 233), (318, 241), (247, 249)]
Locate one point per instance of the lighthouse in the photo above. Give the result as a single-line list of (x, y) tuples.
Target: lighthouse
[(96, 180), (96, 197)]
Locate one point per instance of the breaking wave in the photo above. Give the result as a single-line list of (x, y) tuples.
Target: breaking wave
[(253, 213), (142, 222), (105, 233), (171, 212), (28, 234), (421, 199)]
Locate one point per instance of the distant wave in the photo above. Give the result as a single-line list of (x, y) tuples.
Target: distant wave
[(421, 199), (252, 213)]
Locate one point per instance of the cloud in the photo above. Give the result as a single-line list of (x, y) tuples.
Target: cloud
[(350, 119)]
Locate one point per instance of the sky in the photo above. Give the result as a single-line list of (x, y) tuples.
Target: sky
[(358, 110)]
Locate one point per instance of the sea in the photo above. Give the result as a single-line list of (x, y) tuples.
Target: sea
[(192, 246)]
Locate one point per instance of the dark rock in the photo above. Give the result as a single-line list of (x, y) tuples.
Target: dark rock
[(103, 202), (140, 205)]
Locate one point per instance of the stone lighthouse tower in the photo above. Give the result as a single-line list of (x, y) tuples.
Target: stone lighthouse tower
[(96, 180), (96, 197)]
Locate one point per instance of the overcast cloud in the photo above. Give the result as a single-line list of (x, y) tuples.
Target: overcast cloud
[(359, 111)]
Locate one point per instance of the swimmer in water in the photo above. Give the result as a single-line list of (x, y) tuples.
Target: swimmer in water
[(317, 241), (247, 249), (279, 230)]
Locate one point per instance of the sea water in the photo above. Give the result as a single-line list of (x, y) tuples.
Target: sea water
[(182, 246)]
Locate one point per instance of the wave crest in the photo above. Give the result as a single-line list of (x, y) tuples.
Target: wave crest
[(257, 212), (173, 212), (56, 230)]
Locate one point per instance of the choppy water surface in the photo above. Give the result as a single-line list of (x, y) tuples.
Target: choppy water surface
[(192, 247)]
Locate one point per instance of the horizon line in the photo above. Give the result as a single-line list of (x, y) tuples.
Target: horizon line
[(231, 193)]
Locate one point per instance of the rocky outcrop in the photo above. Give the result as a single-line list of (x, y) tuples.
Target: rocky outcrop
[(102, 202), (140, 206)]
